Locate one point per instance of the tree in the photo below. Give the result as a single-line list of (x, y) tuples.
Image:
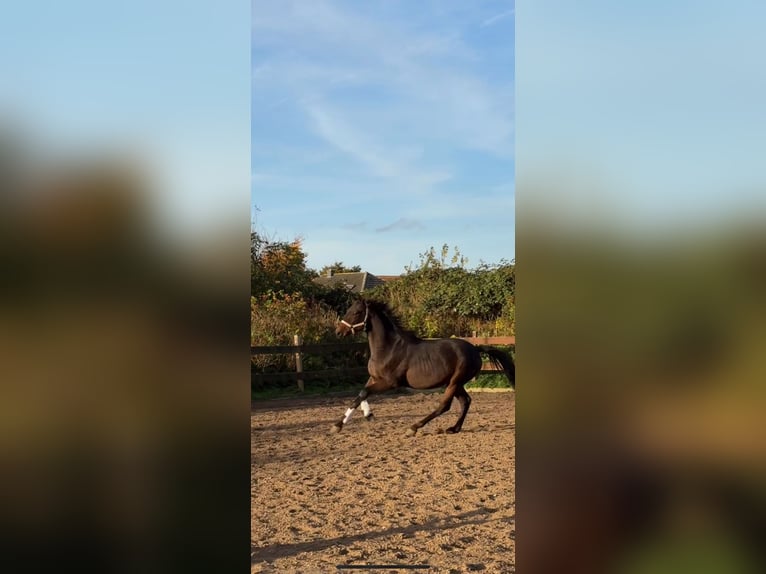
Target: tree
[(278, 266), (339, 267)]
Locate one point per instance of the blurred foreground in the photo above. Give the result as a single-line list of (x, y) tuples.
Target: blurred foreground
[(123, 400), (642, 399)]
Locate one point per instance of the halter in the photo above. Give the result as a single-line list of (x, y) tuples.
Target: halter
[(363, 324)]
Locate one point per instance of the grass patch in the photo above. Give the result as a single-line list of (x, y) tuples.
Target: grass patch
[(489, 382), (332, 388)]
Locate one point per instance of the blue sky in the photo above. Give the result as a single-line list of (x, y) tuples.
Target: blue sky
[(380, 129)]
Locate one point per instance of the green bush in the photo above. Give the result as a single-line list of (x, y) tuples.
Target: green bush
[(443, 298), (275, 318)]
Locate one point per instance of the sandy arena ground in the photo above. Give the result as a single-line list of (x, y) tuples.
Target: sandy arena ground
[(372, 496)]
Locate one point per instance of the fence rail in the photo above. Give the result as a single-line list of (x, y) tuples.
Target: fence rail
[(316, 349), (299, 349)]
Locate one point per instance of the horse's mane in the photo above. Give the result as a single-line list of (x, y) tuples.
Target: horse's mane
[(382, 308)]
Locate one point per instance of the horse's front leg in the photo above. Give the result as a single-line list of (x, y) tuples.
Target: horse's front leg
[(372, 386), (360, 399)]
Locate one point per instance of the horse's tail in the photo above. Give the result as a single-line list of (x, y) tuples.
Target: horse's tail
[(501, 360)]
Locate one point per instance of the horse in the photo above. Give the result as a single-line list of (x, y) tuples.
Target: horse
[(399, 358)]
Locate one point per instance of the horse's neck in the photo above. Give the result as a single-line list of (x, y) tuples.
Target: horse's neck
[(379, 337)]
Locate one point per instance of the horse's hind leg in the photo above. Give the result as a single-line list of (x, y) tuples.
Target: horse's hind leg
[(444, 406), (366, 411), (465, 402)]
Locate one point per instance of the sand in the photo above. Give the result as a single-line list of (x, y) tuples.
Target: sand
[(372, 496)]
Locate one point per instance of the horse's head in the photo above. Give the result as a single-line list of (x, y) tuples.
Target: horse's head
[(355, 319)]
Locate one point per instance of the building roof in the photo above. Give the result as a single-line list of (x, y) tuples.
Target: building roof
[(387, 278), (356, 282)]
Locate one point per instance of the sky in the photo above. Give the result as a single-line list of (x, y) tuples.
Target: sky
[(376, 130), (383, 128)]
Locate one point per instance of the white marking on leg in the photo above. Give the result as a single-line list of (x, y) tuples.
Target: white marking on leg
[(347, 418), (365, 408)]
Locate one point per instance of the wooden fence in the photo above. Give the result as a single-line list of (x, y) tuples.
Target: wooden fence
[(299, 349)]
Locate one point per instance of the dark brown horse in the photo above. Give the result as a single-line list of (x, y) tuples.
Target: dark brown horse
[(398, 358)]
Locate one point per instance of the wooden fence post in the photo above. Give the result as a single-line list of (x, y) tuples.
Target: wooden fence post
[(299, 361)]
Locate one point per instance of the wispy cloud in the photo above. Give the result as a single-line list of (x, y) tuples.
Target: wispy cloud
[(352, 142), (497, 17), (380, 161), (432, 74), (395, 115), (403, 223)]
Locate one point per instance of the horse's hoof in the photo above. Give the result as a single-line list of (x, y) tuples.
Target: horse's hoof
[(411, 432), (368, 418), (336, 428), (452, 430)]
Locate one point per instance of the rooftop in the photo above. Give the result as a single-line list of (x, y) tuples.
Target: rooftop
[(356, 282)]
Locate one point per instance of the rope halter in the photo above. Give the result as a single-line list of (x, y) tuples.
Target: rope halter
[(362, 325)]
